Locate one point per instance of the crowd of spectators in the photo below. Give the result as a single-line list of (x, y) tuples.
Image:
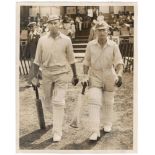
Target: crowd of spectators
[(67, 25), (120, 24)]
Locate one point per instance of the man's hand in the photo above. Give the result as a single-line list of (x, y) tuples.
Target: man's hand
[(35, 82), (119, 81), (85, 80), (75, 80)]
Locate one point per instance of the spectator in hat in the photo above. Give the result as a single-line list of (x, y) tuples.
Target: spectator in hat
[(68, 27), (92, 34), (33, 38), (45, 29), (102, 58), (54, 54)]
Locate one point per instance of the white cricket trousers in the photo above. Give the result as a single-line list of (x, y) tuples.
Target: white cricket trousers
[(97, 98), (54, 90)]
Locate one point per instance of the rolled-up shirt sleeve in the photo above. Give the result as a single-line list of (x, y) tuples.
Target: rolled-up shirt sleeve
[(70, 53), (117, 56), (38, 56), (87, 60)]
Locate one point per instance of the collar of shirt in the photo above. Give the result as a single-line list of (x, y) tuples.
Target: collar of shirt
[(106, 44), (60, 35), (35, 32)]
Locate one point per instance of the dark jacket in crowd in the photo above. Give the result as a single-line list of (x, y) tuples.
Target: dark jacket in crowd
[(32, 45)]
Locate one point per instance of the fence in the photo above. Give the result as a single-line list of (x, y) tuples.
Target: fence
[(24, 66), (127, 51), (24, 63)]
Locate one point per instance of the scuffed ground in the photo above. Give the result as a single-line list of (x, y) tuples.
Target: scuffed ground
[(121, 137)]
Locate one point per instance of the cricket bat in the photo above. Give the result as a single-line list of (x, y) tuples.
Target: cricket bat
[(76, 116), (39, 109)]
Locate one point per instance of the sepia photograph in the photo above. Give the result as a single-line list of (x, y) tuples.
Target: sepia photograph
[(76, 77)]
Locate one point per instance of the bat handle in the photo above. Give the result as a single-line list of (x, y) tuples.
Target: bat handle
[(35, 88), (37, 93)]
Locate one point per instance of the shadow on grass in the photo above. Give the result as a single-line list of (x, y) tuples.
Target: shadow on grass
[(24, 88), (26, 141), (85, 145)]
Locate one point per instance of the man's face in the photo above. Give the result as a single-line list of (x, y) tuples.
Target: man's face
[(32, 28), (53, 26), (102, 33)]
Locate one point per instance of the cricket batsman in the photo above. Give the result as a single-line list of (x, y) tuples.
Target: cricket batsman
[(104, 62), (54, 54)]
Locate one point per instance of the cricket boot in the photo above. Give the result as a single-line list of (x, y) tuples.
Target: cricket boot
[(94, 116)]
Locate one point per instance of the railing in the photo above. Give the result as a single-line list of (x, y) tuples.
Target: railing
[(24, 66), (24, 60), (127, 51)]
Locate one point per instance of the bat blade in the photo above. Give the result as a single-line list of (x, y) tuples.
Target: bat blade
[(76, 116), (40, 114)]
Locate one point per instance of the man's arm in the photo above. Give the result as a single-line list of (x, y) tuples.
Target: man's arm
[(33, 78), (118, 63), (85, 69), (73, 67), (75, 79), (36, 70), (37, 62), (71, 60), (85, 80), (119, 69), (86, 64)]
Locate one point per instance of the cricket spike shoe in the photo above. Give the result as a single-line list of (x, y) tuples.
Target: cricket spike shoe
[(56, 138), (107, 128), (94, 136)]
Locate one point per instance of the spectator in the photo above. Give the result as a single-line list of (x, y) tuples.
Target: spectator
[(45, 29), (39, 29), (37, 19), (100, 17), (92, 34), (33, 38), (86, 22), (66, 27), (78, 21)]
